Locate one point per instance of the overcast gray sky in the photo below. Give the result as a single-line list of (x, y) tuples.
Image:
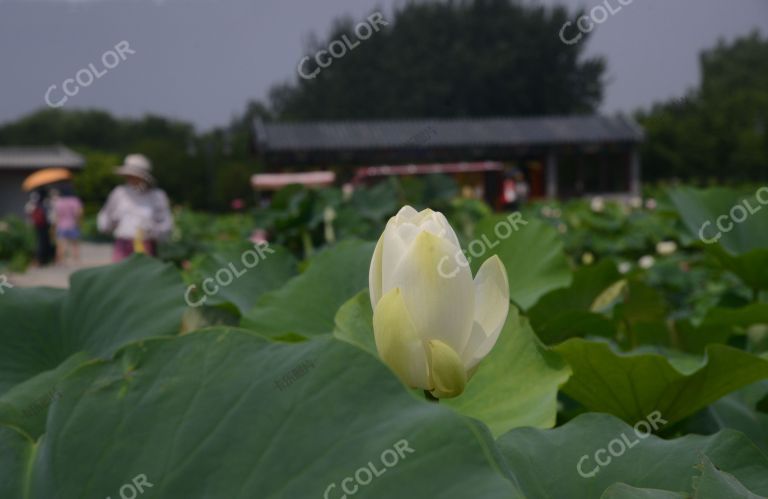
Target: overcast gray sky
[(201, 61)]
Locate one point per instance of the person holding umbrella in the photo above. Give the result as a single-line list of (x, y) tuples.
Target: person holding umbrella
[(38, 209), (136, 213)]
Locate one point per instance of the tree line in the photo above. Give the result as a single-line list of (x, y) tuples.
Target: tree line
[(449, 59)]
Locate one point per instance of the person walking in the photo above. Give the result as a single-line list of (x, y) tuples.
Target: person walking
[(67, 213), (38, 210), (137, 213)]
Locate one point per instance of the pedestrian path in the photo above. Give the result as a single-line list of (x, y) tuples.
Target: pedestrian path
[(57, 276)]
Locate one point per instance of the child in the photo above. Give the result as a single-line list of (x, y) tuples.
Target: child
[(67, 210)]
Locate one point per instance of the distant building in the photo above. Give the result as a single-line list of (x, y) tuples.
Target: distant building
[(16, 163), (561, 157)]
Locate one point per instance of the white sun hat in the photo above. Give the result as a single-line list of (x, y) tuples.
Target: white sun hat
[(137, 165)]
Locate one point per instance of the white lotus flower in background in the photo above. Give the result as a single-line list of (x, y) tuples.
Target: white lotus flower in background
[(432, 323), (646, 262), (347, 190), (624, 267), (597, 204), (665, 248)]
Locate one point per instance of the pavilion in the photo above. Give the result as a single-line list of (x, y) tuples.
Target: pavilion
[(560, 156)]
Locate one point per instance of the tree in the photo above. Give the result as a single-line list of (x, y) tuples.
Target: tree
[(97, 179), (719, 130), (449, 59)]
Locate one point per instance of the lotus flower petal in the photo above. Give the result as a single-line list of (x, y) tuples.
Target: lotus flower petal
[(397, 342), (441, 307), (446, 371)]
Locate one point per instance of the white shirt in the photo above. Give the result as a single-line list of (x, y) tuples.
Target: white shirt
[(129, 211)]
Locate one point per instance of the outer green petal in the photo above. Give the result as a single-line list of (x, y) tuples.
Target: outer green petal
[(446, 370), (439, 294), (397, 342)]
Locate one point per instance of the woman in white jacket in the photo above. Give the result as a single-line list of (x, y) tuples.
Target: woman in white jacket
[(137, 213)]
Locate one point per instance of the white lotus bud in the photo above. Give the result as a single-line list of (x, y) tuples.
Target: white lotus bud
[(597, 204), (646, 262), (665, 248), (432, 322)]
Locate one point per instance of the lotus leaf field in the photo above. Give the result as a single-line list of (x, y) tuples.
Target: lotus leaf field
[(633, 363)]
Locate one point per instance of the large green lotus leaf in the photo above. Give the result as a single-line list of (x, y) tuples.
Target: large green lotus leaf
[(751, 267), (224, 413), (546, 462), (16, 450), (533, 255), (495, 394), (718, 325), (25, 406), (588, 284), (643, 304), (717, 484), (744, 248), (354, 322), (567, 312), (643, 315), (307, 304), (107, 307), (697, 207), (624, 491), (255, 271), (695, 339), (517, 383), (223, 314), (576, 323), (756, 313), (738, 411), (630, 386), (30, 330)]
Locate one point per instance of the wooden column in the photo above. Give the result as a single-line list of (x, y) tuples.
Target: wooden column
[(634, 172), (551, 175)]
